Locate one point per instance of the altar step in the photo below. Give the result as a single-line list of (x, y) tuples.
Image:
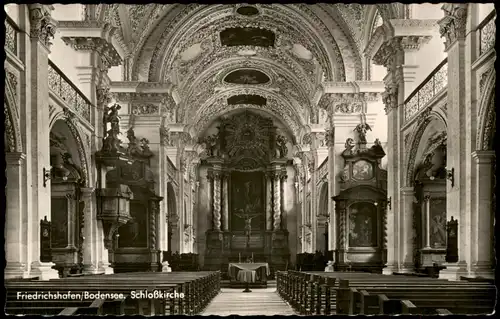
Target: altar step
[(258, 302), (227, 284)]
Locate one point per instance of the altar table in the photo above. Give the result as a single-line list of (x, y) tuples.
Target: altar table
[(259, 271)]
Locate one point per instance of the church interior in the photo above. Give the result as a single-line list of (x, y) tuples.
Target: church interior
[(304, 151)]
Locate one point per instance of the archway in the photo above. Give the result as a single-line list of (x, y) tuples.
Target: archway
[(322, 224), (429, 206), (483, 225), (172, 216), (67, 215)]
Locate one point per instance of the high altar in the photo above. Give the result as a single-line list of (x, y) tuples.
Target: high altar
[(246, 175)]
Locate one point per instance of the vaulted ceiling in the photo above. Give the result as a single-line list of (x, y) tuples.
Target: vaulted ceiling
[(212, 53)]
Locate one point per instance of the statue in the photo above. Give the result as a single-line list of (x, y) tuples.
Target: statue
[(361, 129), (111, 141), (377, 146), (281, 146), (211, 142), (349, 146)]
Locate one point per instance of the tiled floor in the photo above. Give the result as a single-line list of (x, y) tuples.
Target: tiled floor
[(264, 301)]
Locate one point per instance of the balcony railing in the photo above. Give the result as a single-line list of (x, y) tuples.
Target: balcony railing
[(68, 92), (487, 33), (429, 88), (11, 36)]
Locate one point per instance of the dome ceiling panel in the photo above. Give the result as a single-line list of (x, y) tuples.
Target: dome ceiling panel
[(247, 76), (247, 37)]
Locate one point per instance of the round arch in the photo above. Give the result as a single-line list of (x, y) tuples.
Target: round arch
[(487, 115), (12, 126), (61, 122), (415, 141)]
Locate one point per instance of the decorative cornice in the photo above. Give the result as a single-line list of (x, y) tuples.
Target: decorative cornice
[(91, 35), (107, 52), (453, 26), (42, 25), (413, 43)]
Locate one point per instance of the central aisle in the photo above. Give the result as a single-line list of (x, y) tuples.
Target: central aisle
[(258, 302)]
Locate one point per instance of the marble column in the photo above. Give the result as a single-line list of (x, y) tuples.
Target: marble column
[(453, 28), (14, 224), (277, 201), (427, 218), (217, 201), (332, 191), (225, 196), (210, 187), (407, 230), (269, 201), (482, 219), (42, 29)]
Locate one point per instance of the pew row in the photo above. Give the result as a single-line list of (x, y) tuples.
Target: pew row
[(132, 293), (315, 293)]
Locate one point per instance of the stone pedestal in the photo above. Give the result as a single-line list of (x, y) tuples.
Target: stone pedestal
[(14, 247), (43, 271), (482, 219), (454, 271), (407, 230)]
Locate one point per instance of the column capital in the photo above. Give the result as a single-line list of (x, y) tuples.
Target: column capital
[(387, 54), (484, 157), (14, 158), (427, 197), (104, 96), (42, 25), (330, 136), (407, 190), (390, 98), (453, 26)]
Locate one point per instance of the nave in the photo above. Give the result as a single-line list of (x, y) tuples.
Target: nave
[(301, 293)]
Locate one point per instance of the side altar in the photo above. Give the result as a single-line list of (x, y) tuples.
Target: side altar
[(246, 162)]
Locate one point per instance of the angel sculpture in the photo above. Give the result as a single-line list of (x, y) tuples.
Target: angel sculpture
[(281, 146), (361, 129)]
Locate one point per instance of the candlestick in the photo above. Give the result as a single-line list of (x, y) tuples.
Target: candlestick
[(239, 257)]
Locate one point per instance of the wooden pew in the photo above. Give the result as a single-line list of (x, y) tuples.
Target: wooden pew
[(423, 293), (205, 284)]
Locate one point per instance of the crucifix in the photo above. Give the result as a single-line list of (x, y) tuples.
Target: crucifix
[(248, 224)]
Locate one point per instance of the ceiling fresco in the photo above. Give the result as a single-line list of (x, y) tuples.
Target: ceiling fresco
[(247, 36), (283, 51), (247, 76), (247, 10), (246, 99)]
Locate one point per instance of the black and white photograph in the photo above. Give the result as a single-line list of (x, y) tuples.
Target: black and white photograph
[(250, 159)]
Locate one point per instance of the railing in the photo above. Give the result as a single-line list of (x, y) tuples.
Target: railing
[(487, 33), (11, 38), (68, 92), (429, 88)]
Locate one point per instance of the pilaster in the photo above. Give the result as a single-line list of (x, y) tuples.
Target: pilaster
[(42, 29), (90, 244), (453, 29), (332, 189)]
